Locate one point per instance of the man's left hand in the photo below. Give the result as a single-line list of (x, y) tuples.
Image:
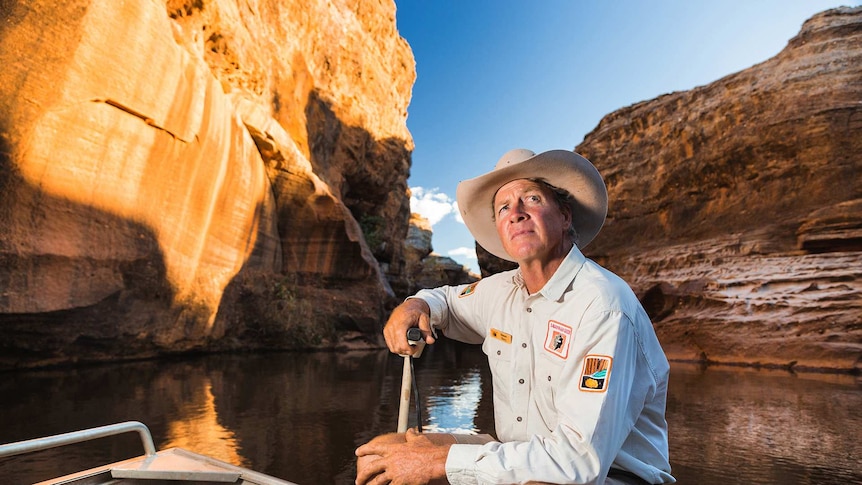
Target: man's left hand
[(403, 459)]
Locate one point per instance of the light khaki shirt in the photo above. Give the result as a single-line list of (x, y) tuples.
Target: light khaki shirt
[(580, 380)]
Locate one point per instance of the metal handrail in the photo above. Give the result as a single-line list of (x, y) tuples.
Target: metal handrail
[(39, 444)]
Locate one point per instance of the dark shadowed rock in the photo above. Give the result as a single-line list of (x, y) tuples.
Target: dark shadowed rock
[(490, 264)]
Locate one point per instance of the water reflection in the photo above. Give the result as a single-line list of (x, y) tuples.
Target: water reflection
[(758, 426), (452, 408), (200, 430), (300, 416)]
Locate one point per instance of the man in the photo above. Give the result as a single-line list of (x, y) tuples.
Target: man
[(579, 377)]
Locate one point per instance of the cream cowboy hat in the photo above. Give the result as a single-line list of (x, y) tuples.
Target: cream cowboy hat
[(561, 168)]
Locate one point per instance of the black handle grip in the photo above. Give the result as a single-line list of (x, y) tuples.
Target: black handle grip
[(414, 335)]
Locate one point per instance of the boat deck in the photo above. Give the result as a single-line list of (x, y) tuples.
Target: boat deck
[(169, 466)]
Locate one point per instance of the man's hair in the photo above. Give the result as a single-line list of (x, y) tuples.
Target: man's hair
[(563, 199)]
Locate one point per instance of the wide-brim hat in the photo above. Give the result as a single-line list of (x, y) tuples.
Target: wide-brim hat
[(561, 168)]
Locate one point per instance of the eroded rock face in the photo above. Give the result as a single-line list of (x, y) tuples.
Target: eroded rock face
[(165, 164), (424, 268), (440, 270), (736, 207)]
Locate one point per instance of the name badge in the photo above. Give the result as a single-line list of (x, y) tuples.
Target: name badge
[(500, 335)]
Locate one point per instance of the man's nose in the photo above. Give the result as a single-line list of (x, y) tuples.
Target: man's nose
[(517, 212)]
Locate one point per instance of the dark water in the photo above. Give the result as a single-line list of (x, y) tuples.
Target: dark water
[(299, 416)]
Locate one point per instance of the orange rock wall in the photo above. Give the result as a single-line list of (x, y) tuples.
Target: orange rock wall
[(156, 156)]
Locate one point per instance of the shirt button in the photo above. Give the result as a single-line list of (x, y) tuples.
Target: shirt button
[(549, 378), (498, 352), (529, 310), (524, 345), (520, 419), (520, 381)]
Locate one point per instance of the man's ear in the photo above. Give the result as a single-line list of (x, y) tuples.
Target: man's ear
[(567, 212)]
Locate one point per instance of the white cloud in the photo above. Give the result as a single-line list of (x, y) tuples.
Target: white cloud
[(431, 204), (457, 213), (469, 253)]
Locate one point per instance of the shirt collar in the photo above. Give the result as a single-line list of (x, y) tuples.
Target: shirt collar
[(563, 276)]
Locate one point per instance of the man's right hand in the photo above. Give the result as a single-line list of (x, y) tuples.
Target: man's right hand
[(412, 313)]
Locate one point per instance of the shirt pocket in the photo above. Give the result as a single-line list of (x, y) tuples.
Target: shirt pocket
[(548, 384), (500, 362), (497, 350)]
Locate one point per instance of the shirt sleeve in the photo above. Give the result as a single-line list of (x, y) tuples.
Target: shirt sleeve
[(452, 311), (591, 424)]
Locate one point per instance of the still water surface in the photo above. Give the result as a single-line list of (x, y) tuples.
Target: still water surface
[(299, 416)]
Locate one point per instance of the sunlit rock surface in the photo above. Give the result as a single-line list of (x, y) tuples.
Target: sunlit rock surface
[(736, 207), (195, 174), (426, 269)]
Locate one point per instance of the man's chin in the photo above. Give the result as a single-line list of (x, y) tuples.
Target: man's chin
[(521, 253)]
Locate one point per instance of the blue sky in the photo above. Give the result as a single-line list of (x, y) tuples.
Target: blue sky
[(493, 75)]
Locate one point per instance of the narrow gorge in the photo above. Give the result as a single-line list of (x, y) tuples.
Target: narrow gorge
[(210, 175)]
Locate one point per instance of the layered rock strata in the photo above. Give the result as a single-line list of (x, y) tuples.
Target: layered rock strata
[(736, 207)]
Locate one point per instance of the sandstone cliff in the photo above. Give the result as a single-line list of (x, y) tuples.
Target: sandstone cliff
[(736, 207), (425, 268), (188, 175)]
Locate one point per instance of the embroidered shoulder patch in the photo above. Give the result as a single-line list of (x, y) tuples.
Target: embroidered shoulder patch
[(595, 374), (557, 339), (469, 290)]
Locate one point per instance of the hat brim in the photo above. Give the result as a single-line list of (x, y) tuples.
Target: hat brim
[(561, 168)]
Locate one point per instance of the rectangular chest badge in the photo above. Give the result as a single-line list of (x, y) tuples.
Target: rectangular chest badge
[(557, 339), (596, 372), (500, 335)]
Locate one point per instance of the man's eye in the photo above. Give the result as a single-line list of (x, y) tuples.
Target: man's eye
[(533, 198), (502, 208)]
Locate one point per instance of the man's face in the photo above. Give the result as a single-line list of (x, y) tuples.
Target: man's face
[(530, 223)]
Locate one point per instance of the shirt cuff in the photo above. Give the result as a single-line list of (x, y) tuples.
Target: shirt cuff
[(437, 304), (461, 464)]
